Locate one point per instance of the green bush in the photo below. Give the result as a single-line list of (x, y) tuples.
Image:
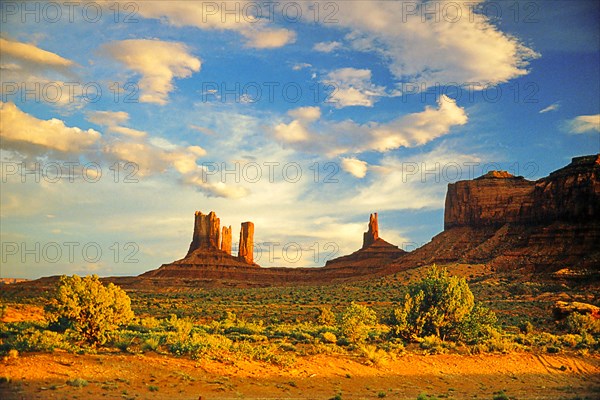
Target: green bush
[(88, 307), (326, 317), (328, 337), (580, 324), (357, 320), (444, 306), (41, 340)]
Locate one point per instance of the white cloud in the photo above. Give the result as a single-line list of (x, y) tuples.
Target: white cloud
[(355, 167), (37, 74), (301, 66), (327, 47), (551, 107), (584, 123), (418, 180), (23, 132), (335, 138), (435, 50), (213, 15), (353, 87), (157, 62), (306, 114), (113, 120), (33, 56), (269, 39)]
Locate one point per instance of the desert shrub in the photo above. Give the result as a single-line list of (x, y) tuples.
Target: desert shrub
[(526, 327), (477, 326), (41, 340), (497, 343), (433, 344), (89, 307), (149, 323), (374, 355), (2, 309), (151, 344), (441, 305), (500, 396), (356, 322), (328, 337), (582, 323), (181, 326), (326, 317), (77, 382)]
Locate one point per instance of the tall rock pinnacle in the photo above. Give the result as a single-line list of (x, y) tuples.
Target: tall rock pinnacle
[(247, 242), (226, 239), (206, 231), (372, 234)]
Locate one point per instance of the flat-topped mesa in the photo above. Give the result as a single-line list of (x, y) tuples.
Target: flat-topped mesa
[(226, 239), (246, 249), (372, 234), (206, 232)]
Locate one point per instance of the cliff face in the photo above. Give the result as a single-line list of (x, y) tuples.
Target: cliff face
[(570, 194), (509, 222), (491, 200)]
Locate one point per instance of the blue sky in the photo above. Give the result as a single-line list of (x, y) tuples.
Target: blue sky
[(319, 112)]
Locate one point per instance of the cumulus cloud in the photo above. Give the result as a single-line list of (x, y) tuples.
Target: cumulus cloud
[(584, 124), (213, 15), (158, 62), (354, 166), (353, 87), (327, 47), (340, 137), (25, 133), (153, 156), (435, 49), (551, 107)]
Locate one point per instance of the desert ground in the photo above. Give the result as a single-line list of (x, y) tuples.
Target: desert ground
[(454, 376), (544, 363)]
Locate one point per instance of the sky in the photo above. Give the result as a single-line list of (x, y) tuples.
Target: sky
[(119, 120)]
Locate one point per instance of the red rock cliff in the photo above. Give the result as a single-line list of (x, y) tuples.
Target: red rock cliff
[(570, 194)]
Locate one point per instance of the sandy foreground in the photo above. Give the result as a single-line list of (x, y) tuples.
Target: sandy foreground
[(152, 376)]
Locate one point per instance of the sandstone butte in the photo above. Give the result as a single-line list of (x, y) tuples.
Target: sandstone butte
[(499, 219)]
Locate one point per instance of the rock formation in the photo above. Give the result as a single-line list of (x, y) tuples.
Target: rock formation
[(374, 253), (509, 222), (373, 233), (209, 249), (503, 221), (246, 249), (494, 199), (206, 232), (226, 239)]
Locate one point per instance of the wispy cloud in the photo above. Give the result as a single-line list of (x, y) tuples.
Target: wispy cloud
[(327, 47), (584, 124), (551, 107)]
